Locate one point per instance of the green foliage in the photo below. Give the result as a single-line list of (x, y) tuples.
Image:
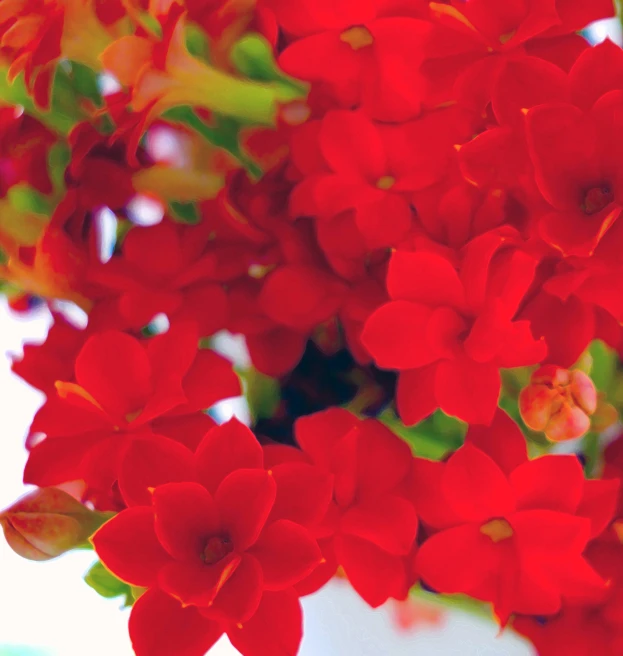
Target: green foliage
[(432, 438), (185, 212), (263, 394), (26, 199), (108, 585), (604, 365), (223, 133)]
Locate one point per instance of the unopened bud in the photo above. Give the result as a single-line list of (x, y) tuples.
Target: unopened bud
[(558, 402), (47, 523)]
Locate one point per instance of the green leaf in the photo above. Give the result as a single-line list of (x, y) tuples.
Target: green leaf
[(84, 81), (185, 212), (432, 438), (263, 394), (108, 585), (223, 134), (604, 364), (26, 199)]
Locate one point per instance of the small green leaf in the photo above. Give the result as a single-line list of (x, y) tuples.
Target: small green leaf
[(185, 212), (26, 199), (108, 585), (604, 364), (263, 394)]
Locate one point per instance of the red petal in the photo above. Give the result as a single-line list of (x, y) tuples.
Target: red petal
[(210, 379), (160, 626), (389, 522), (424, 278), (245, 499), (599, 503), (502, 440), (186, 516), (427, 493), (458, 559), (554, 482), (545, 533), (225, 449), (476, 487), (114, 368), (303, 493), (383, 459), (351, 144), (597, 70), (287, 553), (319, 433), (172, 353), (127, 545), (276, 352), (240, 597), (151, 461), (468, 390), (275, 629), (375, 574), (196, 583), (415, 394), (396, 336)]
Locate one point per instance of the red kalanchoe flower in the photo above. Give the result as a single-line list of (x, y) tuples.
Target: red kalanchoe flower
[(366, 53), (510, 530), (449, 332), (223, 541), (371, 526), (124, 387)]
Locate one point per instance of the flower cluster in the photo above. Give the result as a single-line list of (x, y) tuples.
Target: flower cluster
[(409, 213)]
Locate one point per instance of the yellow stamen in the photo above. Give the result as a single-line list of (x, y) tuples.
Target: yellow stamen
[(357, 37), (497, 530)]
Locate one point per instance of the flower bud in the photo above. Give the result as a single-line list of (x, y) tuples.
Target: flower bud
[(48, 522), (558, 402)]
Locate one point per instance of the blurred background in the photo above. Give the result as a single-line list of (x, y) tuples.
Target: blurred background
[(46, 609)]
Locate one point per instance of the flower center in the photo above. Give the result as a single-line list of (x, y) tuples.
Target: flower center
[(596, 199), (386, 182), (216, 549), (497, 530), (357, 37)]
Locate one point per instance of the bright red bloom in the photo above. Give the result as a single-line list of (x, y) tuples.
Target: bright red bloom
[(471, 41), (589, 628), (371, 525), (224, 544), (365, 53), (24, 148), (510, 530), (352, 164), (449, 332), (167, 269), (124, 387)]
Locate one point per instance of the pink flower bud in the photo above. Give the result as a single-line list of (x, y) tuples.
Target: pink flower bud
[(558, 402), (48, 522)]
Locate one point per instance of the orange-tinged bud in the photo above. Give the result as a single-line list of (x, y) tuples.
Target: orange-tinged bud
[(47, 523), (558, 402)]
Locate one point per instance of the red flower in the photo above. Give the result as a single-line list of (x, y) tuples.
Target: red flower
[(24, 148), (448, 333), (351, 164), (125, 387), (583, 629), (510, 530), (364, 52), (371, 525), (166, 269), (230, 543), (577, 170)]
